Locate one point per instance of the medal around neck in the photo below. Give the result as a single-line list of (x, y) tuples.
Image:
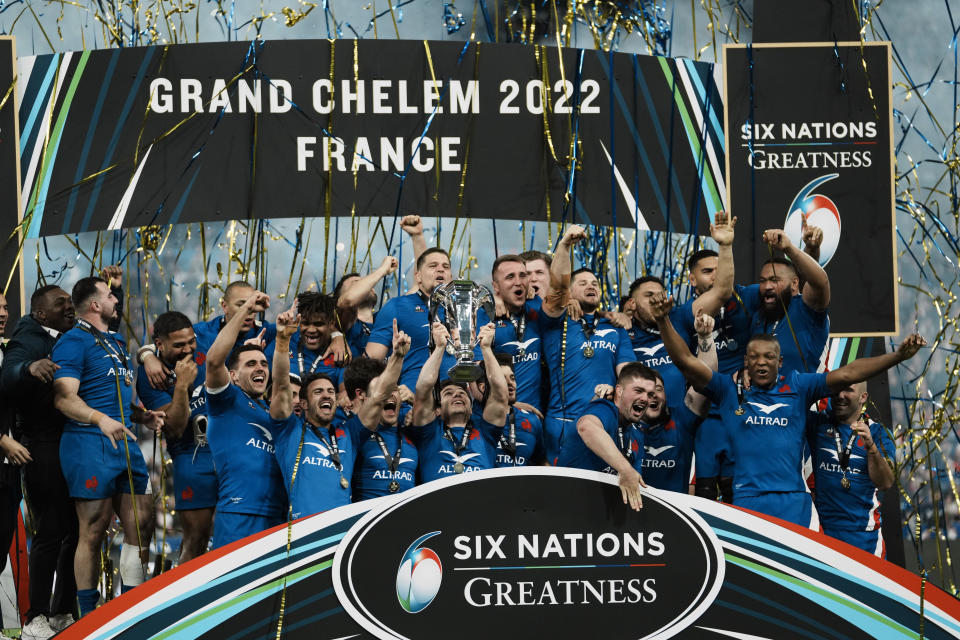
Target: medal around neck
[(460, 300)]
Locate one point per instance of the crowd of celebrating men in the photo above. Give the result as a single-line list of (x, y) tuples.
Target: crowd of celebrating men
[(339, 402)]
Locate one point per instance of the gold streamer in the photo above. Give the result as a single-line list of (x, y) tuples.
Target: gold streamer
[(327, 196)]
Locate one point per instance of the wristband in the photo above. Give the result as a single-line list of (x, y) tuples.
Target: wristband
[(142, 351), (336, 334)]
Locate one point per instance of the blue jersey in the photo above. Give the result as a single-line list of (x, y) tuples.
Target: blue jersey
[(242, 438), (610, 346), (206, 333), (159, 398), (768, 438), (519, 337), (412, 313), (856, 508), (102, 365), (668, 450), (438, 453), (372, 475), (314, 452), (528, 438), (625, 435), (732, 326), (357, 336), (304, 361), (648, 349), (812, 329)]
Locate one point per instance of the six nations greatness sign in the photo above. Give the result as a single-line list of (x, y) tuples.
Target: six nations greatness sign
[(527, 553), (809, 133)]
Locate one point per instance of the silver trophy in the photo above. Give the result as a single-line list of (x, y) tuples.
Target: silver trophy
[(460, 300)]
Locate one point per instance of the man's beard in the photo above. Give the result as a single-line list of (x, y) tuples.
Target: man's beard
[(778, 311)]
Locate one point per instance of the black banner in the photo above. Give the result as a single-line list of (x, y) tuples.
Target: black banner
[(308, 127), (10, 172), (809, 133), (532, 552)]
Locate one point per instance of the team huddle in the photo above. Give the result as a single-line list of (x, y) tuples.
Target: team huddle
[(339, 402)]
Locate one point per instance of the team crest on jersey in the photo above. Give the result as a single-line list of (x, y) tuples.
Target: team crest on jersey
[(200, 357), (418, 309), (526, 426)]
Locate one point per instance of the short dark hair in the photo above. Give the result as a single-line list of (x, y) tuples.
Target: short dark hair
[(644, 280), (623, 302), (85, 289), (337, 290), (782, 262), (763, 337), (358, 374), (312, 303), (237, 283), (698, 256), (310, 378), (168, 322), (504, 359), (234, 360), (633, 370), (443, 384), (507, 257), (582, 270), (423, 256), (530, 256), (37, 299)]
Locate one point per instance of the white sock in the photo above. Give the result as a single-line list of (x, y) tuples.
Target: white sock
[(131, 569)]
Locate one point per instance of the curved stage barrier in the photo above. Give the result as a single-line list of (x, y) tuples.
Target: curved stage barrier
[(531, 551)]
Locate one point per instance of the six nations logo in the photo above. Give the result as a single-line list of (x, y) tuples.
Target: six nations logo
[(819, 211)]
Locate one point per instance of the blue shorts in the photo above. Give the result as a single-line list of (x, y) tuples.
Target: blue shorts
[(230, 527), (194, 480), (869, 541), (553, 436), (714, 455), (94, 470), (792, 506)]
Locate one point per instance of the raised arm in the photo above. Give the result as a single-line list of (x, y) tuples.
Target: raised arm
[(386, 383), (696, 372), (698, 403), (217, 376), (560, 269), (495, 411), (281, 398), (413, 226), (816, 291), (355, 294), (178, 411), (863, 368), (423, 403), (721, 231)]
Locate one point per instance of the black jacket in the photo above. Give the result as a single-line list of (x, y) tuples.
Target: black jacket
[(37, 419)]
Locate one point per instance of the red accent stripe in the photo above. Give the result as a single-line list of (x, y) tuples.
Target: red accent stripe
[(909, 581), (93, 621), (19, 568)]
